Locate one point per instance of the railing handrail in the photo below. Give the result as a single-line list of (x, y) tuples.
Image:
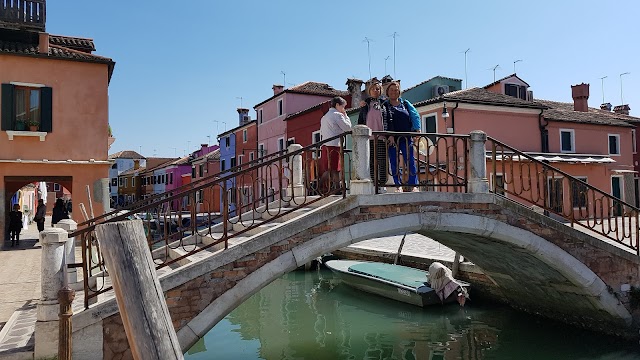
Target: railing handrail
[(563, 173)]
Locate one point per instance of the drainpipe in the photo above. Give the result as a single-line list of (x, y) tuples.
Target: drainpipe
[(544, 134), (453, 117)]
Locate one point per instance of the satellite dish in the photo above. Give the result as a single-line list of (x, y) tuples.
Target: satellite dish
[(425, 146)]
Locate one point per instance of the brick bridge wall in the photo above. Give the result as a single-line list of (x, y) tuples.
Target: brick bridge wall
[(190, 298)]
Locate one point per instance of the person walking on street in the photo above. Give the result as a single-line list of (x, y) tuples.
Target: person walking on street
[(41, 211), (15, 224)]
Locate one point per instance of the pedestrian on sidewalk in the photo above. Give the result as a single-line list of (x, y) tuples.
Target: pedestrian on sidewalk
[(15, 224), (41, 211)]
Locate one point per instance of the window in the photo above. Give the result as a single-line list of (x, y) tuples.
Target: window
[(517, 91), (133, 181), (232, 162), (261, 150), (579, 193), (126, 182), (119, 182), (222, 165), (614, 144), (431, 126), (114, 182), (114, 166), (240, 159), (166, 179), (315, 138), (231, 196), (193, 172), (201, 170), (634, 146), (24, 106), (56, 187), (567, 141), (227, 141), (291, 141), (251, 158), (260, 116), (280, 144), (244, 135), (498, 180), (200, 195), (171, 178), (280, 107)]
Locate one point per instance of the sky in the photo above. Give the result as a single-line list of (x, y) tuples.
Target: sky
[(183, 67)]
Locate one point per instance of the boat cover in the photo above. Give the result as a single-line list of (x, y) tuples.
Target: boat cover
[(394, 273)]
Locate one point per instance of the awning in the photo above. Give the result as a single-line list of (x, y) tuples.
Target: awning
[(556, 157)]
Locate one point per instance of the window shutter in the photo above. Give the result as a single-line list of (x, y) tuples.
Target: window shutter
[(523, 92), (7, 107), (46, 105)]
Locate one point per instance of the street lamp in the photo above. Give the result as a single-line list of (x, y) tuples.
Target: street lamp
[(445, 116)]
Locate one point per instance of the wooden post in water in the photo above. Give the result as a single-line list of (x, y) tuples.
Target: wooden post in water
[(456, 265), (143, 309)]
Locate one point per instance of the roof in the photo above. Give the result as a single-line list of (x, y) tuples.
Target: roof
[(309, 88), (126, 154), (435, 77), (214, 155), (252, 122), (132, 171), (482, 96), (505, 78), (309, 109), (561, 111), (13, 42), (182, 161)]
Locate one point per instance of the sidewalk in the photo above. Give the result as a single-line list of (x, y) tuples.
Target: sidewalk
[(19, 292)]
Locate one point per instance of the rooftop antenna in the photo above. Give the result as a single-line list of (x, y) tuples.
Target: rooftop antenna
[(466, 82), (394, 35), (154, 152), (514, 66), (284, 78), (368, 41), (602, 82), (385, 64), (140, 151), (240, 97), (174, 152), (621, 98), (494, 71), (208, 140)]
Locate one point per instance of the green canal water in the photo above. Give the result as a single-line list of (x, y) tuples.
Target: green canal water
[(309, 315)]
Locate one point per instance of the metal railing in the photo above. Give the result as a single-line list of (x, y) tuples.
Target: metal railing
[(24, 14), (183, 222), (425, 161), (553, 191)]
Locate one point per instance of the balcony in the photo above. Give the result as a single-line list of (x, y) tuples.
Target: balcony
[(23, 14)]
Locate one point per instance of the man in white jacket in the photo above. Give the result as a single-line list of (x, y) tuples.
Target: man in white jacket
[(333, 123)]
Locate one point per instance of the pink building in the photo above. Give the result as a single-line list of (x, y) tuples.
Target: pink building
[(595, 145)]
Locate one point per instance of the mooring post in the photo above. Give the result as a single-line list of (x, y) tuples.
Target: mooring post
[(140, 298), (361, 183), (66, 295)]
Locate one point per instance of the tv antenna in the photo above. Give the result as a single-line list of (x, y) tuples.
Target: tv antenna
[(494, 71), (621, 98), (240, 97), (368, 41), (466, 82), (602, 84), (514, 66), (284, 78), (394, 35), (385, 64)]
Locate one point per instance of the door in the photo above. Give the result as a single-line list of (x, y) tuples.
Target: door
[(555, 195), (616, 192)]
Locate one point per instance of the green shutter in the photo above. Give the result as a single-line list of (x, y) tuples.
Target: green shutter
[(46, 109), (7, 114)]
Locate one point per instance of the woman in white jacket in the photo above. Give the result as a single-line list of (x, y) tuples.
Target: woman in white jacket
[(333, 123)]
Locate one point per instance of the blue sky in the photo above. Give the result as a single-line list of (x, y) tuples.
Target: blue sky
[(182, 65)]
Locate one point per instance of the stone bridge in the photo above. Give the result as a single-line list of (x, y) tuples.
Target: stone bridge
[(529, 260)]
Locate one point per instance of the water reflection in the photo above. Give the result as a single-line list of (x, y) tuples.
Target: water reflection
[(307, 315)]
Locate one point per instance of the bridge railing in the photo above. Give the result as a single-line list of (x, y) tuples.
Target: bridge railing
[(199, 216), (428, 161), (554, 192)]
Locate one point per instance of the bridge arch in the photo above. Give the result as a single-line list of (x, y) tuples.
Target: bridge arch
[(531, 272)]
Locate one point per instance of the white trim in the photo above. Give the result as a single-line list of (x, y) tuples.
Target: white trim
[(239, 161), (244, 136), (482, 107), (292, 140), (617, 136), (313, 137), (284, 145), (17, 83), (573, 140), (40, 134), (423, 123)]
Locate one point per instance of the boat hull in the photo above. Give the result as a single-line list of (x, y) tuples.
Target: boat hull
[(381, 287)]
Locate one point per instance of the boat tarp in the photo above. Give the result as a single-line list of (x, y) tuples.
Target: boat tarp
[(394, 273)]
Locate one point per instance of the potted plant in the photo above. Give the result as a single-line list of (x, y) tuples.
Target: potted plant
[(34, 125), (20, 125)]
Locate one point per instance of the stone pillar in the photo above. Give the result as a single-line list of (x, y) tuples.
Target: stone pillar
[(478, 182), (296, 170), (70, 226), (361, 183), (53, 242)]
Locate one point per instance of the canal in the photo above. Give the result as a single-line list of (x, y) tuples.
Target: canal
[(309, 315)]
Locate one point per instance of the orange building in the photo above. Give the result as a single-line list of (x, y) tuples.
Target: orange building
[(54, 109)]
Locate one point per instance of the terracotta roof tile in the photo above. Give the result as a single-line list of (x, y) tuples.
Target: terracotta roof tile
[(126, 154), (132, 171), (561, 111), (311, 88), (482, 96), (75, 43)]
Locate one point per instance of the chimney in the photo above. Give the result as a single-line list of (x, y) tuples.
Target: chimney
[(580, 94), (277, 89), (606, 107), (243, 115), (622, 109), (354, 87), (43, 43), (136, 164)]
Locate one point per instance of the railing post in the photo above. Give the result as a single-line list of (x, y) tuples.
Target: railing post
[(296, 170), (478, 182), (53, 242), (361, 183), (70, 226)]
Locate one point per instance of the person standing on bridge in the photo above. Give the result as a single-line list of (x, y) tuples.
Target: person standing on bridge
[(333, 123), (372, 114)]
